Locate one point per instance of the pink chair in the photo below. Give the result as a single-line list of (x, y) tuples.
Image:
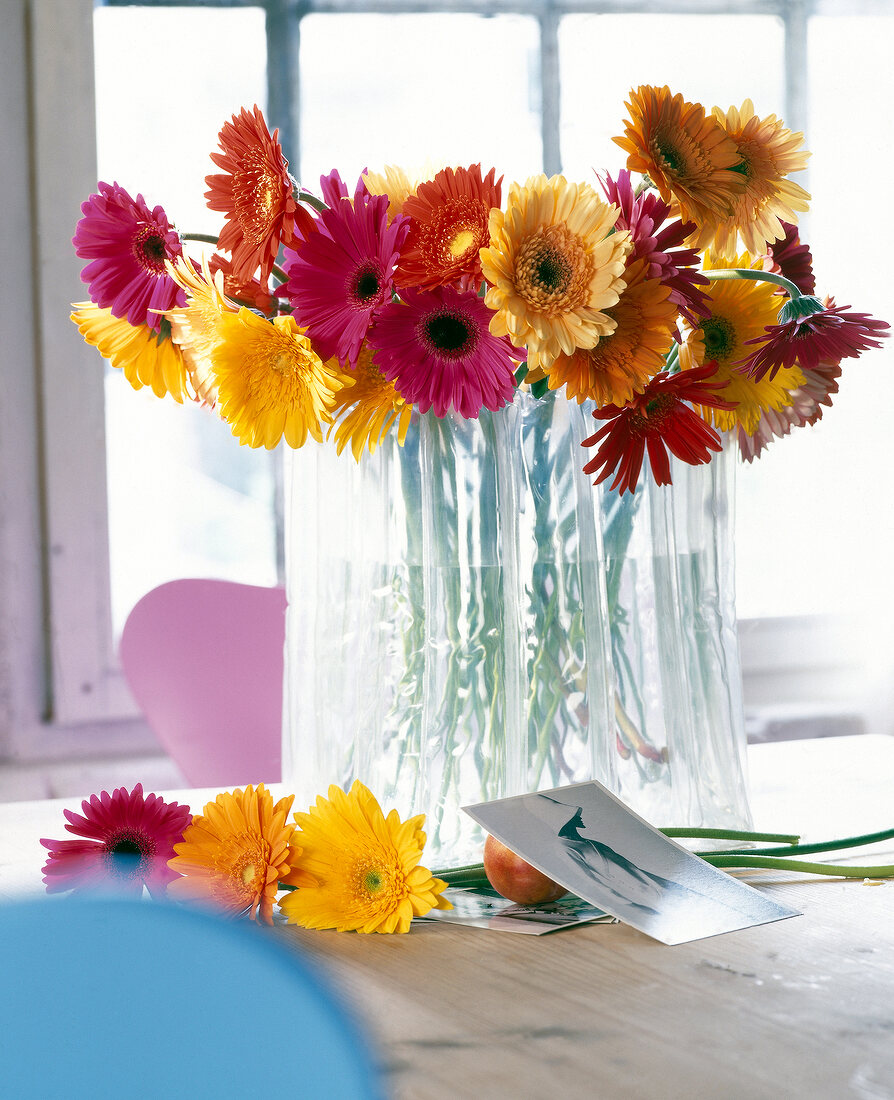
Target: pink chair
[(204, 661)]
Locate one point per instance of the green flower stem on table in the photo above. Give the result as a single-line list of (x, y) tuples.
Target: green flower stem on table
[(776, 863), (472, 875)]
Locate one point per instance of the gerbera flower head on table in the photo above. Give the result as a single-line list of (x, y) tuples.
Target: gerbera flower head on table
[(344, 864), (347, 313)]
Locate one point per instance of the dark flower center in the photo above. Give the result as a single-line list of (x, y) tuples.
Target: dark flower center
[(651, 415), (150, 249), (720, 337), (551, 270), (365, 285), (659, 406), (127, 851), (373, 881), (451, 334), (669, 154)]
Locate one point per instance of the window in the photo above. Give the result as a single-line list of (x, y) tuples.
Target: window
[(184, 498), (120, 501)]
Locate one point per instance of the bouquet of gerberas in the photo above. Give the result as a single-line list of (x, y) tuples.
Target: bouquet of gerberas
[(657, 301)]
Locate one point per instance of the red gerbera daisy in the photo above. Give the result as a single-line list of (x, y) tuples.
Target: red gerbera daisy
[(127, 244), (657, 420), (803, 339), (792, 260), (343, 270), (438, 350), (128, 840), (449, 217), (255, 192), (252, 293), (659, 244)]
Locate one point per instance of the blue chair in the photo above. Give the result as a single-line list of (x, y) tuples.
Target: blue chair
[(112, 998)]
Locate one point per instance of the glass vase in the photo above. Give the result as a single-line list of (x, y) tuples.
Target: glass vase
[(670, 576), (470, 619)]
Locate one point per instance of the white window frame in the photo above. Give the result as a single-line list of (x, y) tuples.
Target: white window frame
[(59, 673), (58, 668)]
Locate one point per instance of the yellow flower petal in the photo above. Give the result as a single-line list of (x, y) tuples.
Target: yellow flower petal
[(366, 865), (144, 357)]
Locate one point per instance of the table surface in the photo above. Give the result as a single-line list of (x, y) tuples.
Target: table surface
[(800, 1008)]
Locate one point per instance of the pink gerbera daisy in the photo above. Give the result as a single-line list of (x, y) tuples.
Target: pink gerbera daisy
[(809, 333), (438, 350), (657, 420), (127, 245), (343, 271), (659, 244), (806, 407), (127, 842)]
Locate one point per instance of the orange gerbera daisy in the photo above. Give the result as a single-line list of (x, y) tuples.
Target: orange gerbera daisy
[(768, 152), (255, 193), (234, 855), (622, 362), (554, 265), (740, 311), (688, 156), (366, 407), (448, 228)]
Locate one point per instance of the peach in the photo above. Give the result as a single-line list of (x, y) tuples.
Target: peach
[(515, 878)]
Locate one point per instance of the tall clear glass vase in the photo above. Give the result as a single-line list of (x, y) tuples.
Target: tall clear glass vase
[(670, 569), (457, 632)]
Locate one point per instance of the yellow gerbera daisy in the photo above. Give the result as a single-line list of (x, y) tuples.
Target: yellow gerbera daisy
[(687, 154), (195, 327), (740, 311), (146, 357), (366, 407), (623, 362), (236, 852), (554, 265), (366, 866), (398, 184), (270, 382), (768, 153)]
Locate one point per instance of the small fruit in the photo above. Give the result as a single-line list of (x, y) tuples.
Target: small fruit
[(515, 878)]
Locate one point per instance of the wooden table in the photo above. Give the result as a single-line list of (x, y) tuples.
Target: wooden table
[(800, 1008)]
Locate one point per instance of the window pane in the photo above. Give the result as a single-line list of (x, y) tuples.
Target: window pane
[(184, 497), (815, 512), (716, 59), (404, 89)]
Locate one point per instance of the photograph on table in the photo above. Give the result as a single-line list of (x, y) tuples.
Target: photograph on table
[(482, 908), (587, 840)]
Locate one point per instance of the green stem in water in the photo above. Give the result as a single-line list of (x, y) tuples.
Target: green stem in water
[(725, 859), (757, 276)]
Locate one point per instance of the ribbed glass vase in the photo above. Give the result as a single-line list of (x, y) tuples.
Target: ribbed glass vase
[(469, 619)]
